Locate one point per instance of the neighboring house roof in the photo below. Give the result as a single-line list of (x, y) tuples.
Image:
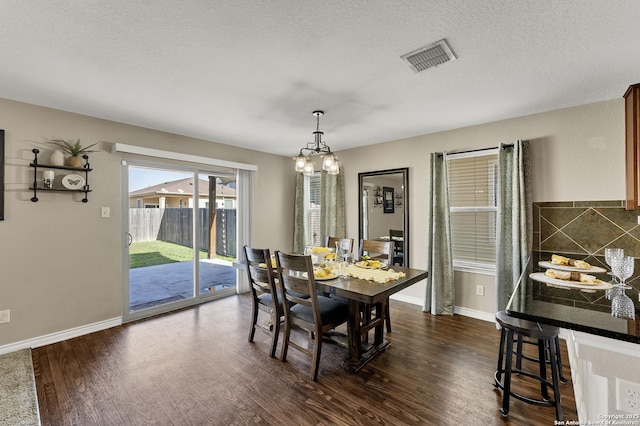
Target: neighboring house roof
[(183, 187)]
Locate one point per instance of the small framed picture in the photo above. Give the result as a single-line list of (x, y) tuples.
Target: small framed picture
[(387, 200)]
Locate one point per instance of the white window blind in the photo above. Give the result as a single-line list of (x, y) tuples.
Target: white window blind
[(312, 184), (473, 179)]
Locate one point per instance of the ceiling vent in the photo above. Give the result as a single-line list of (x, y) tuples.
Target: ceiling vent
[(429, 56)]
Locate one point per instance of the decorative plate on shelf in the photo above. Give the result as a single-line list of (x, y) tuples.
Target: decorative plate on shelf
[(73, 181)]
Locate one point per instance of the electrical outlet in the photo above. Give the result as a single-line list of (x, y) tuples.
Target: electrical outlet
[(479, 290), (627, 396), (4, 316), (105, 212)]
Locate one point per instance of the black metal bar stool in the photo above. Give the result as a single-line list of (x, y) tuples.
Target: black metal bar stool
[(514, 329)]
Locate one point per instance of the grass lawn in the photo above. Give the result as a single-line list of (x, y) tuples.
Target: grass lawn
[(151, 253)]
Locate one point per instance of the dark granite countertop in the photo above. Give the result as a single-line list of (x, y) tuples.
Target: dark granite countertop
[(570, 308)]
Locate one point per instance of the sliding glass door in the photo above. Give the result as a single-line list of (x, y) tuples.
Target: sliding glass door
[(181, 238), (218, 234)]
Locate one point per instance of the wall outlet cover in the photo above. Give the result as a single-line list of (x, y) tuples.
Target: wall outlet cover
[(627, 396)]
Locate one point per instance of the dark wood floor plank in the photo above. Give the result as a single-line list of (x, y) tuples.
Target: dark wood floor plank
[(195, 367)]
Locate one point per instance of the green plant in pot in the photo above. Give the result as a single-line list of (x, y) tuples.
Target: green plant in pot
[(74, 149)]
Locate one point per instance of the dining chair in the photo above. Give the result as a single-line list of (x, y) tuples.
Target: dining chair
[(382, 251), (378, 250), (315, 314), (344, 243), (262, 279), (397, 237)]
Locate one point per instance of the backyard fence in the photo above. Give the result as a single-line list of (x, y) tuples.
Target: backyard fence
[(175, 225)]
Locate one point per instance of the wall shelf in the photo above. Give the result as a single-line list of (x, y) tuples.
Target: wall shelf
[(57, 187)]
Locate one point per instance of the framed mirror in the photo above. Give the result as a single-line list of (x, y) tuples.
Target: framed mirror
[(383, 209)]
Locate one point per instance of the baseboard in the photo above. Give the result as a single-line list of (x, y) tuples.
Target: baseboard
[(408, 299), (481, 315), (59, 336), (484, 316)]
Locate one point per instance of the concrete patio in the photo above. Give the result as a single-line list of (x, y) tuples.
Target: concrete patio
[(154, 285)]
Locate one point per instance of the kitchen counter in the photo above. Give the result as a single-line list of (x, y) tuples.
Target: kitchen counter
[(571, 308), (603, 350)]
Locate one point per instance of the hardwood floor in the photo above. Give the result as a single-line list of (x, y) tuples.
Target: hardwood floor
[(195, 367)]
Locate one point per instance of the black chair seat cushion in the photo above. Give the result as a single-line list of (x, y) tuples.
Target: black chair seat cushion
[(266, 299), (332, 311)]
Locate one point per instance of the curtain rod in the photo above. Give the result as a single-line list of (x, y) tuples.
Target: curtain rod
[(474, 150)]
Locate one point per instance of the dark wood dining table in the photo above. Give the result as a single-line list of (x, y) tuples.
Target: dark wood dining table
[(360, 293)]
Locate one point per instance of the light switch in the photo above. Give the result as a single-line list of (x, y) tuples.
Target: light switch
[(106, 212)]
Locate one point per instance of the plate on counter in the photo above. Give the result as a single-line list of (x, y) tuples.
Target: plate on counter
[(549, 265), (541, 277)]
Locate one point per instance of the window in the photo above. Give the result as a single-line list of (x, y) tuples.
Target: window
[(312, 209), (473, 179)]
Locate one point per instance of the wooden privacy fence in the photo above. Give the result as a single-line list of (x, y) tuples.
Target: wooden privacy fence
[(175, 224)]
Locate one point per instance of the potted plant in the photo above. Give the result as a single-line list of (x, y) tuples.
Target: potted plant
[(74, 149)]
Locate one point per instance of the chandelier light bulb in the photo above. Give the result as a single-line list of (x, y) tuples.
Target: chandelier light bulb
[(308, 167), (300, 163), (334, 169), (328, 161)]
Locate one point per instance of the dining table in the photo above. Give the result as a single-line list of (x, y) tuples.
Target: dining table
[(362, 293)]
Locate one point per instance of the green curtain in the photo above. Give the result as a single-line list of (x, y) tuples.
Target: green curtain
[(514, 232), (299, 218), (440, 295), (332, 209)]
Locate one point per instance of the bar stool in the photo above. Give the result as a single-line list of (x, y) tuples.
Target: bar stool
[(547, 340)]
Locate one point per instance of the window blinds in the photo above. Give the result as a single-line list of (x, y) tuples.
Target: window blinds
[(313, 210), (473, 204)]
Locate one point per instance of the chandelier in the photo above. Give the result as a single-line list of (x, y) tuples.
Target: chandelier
[(330, 162)]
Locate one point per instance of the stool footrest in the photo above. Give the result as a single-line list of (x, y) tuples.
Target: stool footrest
[(540, 402)]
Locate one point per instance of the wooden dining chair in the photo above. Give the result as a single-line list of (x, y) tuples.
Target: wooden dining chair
[(377, 250), (315, 314), (344, 243), (264, 293), (382, 251)]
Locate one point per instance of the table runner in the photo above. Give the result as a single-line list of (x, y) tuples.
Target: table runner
[(377, 275)]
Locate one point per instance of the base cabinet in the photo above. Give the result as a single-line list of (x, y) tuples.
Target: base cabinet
[(606, 378)]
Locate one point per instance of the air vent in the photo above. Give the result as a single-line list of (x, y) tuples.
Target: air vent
[(429, 56)]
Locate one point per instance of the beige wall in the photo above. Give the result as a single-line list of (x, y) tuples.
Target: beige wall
[(578, 154), (61, 262)]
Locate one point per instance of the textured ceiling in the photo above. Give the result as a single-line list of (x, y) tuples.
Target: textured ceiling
[(250, 73)]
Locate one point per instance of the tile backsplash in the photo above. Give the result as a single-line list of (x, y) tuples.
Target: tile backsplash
[(582, 230)]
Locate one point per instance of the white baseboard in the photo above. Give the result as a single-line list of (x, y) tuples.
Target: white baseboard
[(59, 336), (481, 315), (484, 316)]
